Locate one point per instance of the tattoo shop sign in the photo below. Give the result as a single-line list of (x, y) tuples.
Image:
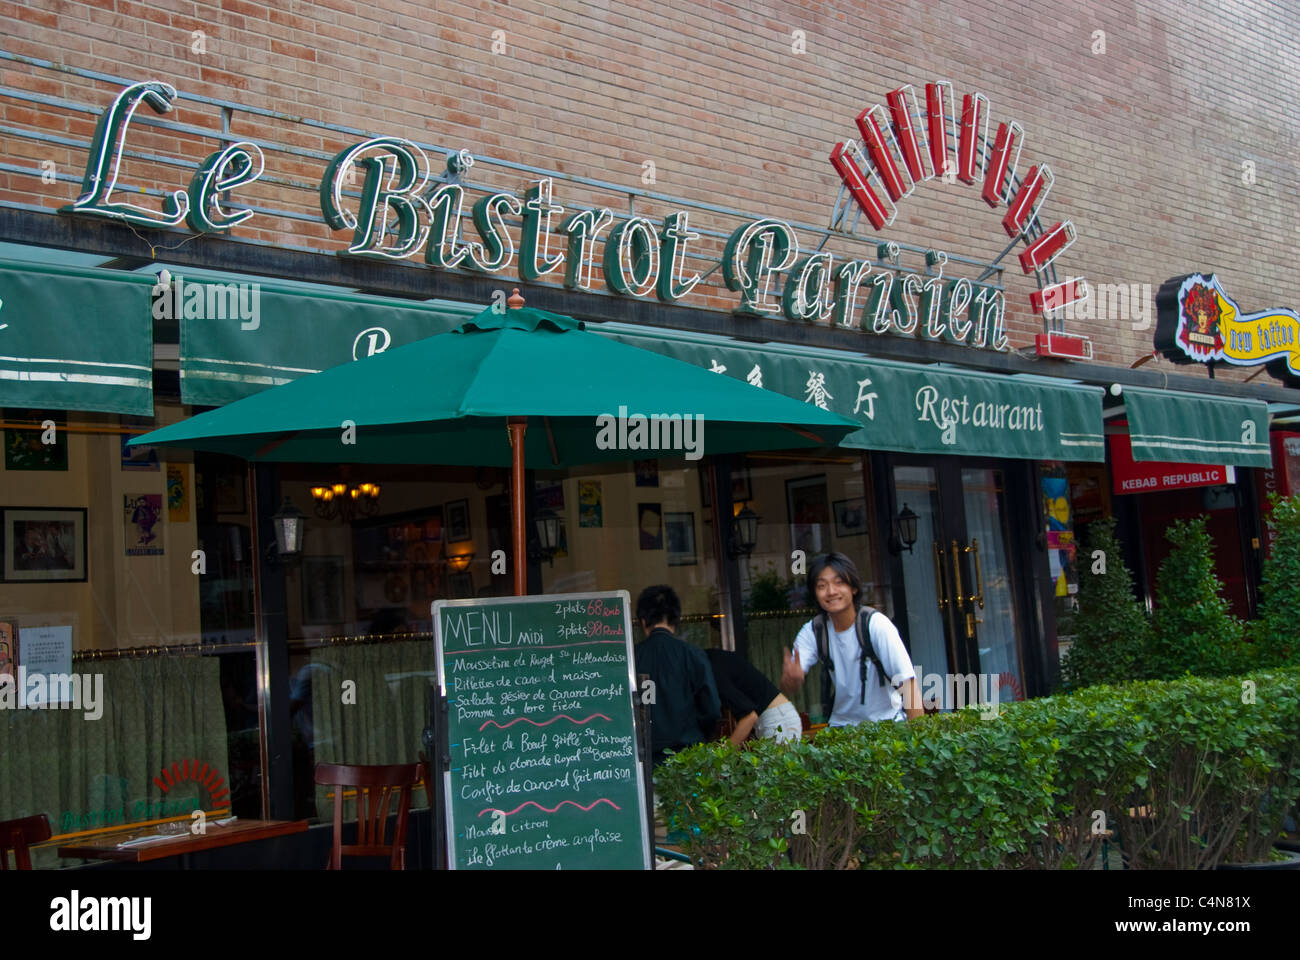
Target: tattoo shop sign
[(405, 211)]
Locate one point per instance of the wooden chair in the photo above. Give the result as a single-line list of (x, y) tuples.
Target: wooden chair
[(375, 786), (18, 835), (426, 774)]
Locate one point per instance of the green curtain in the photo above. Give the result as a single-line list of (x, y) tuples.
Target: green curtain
[(383, 718), (768, 639), (86, 774)]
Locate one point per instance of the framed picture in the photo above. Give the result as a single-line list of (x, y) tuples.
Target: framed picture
[(742, 485), (8, 648), (44, 545), (138, 458), (24, 449), (850, 517), (647, 472), (649, 521), (810, 513), (456, 519), (548, 494), (679, 539), (322, 590), (460, 586), (228, 497)]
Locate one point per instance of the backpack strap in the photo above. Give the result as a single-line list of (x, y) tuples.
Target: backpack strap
[(863, 625), (828, 666)]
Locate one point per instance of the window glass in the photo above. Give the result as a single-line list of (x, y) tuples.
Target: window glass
[(812, 502), (125, 580)]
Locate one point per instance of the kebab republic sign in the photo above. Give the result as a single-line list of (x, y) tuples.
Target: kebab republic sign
[(384, 192)]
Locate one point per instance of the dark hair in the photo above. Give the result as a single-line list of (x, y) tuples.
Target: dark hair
[(840, 564), (657, 604)]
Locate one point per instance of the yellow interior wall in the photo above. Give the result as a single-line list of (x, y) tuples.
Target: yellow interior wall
[(126, 601)]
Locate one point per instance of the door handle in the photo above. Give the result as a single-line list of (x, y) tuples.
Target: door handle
[(956, 573), (979, 572), (938, 577)]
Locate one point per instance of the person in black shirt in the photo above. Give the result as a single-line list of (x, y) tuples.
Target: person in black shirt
[(685, 708), (753, 700)]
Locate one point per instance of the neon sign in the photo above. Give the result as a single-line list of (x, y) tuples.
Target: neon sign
[(1196, 322), (891, 160), (404, 209)]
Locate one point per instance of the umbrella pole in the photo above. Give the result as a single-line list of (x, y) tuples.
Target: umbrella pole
[(517, 426)]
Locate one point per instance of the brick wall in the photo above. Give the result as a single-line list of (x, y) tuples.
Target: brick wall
[(1147, 140)]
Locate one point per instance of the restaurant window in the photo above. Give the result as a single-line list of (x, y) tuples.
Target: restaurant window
[(130, 699), (627, 526), (359, 599), (811, 501)]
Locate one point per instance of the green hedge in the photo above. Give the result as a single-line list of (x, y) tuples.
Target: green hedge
[(1182, 774)]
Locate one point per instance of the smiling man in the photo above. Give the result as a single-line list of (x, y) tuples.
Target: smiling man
[(868, 675)]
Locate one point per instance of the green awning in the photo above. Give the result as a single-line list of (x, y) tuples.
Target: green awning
[(1195, 428), (75, 339), (447, 399), (228, 354), (910, 408)]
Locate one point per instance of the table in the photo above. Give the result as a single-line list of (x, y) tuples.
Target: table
[(240, 831)]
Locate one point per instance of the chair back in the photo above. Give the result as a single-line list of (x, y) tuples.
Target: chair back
[(18, 835), (375, 786)]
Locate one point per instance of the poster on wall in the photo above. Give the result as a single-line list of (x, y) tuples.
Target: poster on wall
[(548, 494), (46, 651), (679, 539), (138, 458), (141, 518), (1060, 534), (647, 472), (650, 525), (8, 649), (178, 493), (44, 544), (29, 449), (810, 513), (589, 504)]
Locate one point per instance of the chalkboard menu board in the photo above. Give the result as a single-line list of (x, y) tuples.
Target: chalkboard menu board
[(540, 733)]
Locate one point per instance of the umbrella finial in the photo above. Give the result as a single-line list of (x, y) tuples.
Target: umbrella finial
[(515, 301)]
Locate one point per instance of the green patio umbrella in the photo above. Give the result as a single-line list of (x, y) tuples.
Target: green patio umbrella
[(521, 387)]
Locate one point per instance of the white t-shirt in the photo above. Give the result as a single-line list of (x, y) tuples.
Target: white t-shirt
[(882, 703)]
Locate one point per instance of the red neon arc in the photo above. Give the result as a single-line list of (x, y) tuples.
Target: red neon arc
[(1047, 248), (936, 111), (905, 133), (998, 162), (1058, 295), (972, 112), (1018, 211), (205, 776), (853, 178), (873, 138)]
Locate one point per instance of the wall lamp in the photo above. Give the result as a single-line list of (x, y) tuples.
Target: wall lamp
[(904, 534), (744, 533)]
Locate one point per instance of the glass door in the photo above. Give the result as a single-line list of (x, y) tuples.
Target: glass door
[(959, 582)]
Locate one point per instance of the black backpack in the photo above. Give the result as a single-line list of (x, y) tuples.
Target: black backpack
[(868, 650)]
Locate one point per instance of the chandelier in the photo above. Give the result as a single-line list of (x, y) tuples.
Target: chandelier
[(343, 501)]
